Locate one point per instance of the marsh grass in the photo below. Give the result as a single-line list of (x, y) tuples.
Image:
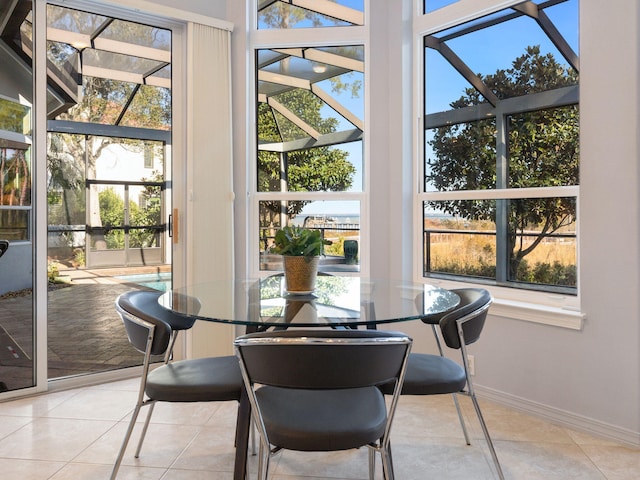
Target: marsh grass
[(552, 262)]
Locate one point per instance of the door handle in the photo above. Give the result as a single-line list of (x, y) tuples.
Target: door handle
[(173, 225)]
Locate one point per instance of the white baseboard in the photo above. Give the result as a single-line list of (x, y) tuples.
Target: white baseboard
[(561, 417)]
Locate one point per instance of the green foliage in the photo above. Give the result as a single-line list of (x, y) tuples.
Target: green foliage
[(151, 215), (79, 257), (282, 15), (321, 169), (112, 215), (336, 248), (540, 274), (476, 269), (547, 273), (14, 117), (111, 208), (53, 272), (298, 241)]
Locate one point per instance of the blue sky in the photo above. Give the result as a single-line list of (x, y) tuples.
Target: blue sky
[(484, 51), (494, 48)]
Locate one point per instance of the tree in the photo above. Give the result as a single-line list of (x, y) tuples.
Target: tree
[(149, 215), (543, 151), (13, 116), (112, 215), (285, 15), (314, 169), (65, 181)]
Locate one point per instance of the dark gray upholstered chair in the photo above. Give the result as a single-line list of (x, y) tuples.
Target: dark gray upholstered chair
[(436, 374), (146, 302), (200, 380), (318, 390)]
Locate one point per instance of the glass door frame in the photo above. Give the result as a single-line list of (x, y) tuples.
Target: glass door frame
[(177, 22)]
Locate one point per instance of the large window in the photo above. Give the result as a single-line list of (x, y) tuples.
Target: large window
[(501, 160), (310, 130)]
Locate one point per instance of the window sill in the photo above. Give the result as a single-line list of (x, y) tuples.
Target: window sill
[(546, 315), (536, 307)]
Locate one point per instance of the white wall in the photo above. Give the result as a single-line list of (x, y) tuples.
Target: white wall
[(241, 78), (591, 374), (589, 378), (13, 80), (211, 8), (16, 268)]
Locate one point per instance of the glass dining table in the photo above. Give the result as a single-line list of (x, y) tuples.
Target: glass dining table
[(337, 302)]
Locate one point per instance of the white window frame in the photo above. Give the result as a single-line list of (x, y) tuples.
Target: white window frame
[(556, 309), (140, 11), (307, 37)]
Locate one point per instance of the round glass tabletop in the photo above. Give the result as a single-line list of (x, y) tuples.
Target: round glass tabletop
[(336, 301)]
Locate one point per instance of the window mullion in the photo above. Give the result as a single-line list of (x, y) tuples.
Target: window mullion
[(502, 206), (284, 185)]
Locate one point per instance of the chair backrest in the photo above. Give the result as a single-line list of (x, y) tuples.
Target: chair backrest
[(471, 313), (137, 309), (144, 303), (323, 359)]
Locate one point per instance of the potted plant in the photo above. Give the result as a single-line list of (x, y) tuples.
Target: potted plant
[(300, 249)]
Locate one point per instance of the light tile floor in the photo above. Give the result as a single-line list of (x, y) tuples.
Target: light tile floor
[(76, 434)]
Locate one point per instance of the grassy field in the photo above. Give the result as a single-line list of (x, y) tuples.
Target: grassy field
[(551, 262), (471, 250)]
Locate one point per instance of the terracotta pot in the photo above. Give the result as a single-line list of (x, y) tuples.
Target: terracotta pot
[(300, 273)]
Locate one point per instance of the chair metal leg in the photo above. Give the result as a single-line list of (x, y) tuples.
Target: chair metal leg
[(260, 463), (462, 424), (243, 424), (144, 428), (252, 435), (372, 463), (437, 337), (169, 352), (487, 437), (264, 461), (455, 397), (125, 442), (387, 464), (471, 392)]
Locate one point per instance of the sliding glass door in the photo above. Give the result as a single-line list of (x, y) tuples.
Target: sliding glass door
[(102, 178), (107, 192)]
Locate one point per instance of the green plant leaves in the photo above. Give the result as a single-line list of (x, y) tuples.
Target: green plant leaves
[(298, 241)]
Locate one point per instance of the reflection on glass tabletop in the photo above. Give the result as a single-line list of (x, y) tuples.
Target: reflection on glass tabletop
[(336, 301)]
